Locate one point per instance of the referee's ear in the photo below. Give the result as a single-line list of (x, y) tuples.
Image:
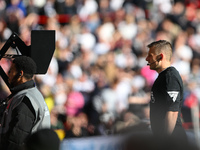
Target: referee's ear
[(161, 56)]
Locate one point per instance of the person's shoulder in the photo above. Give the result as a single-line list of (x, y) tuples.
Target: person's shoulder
[(172, 68), (173, 75), (175, 72), (171, 71)]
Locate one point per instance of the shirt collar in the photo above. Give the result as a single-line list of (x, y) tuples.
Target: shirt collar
[(26, 85)]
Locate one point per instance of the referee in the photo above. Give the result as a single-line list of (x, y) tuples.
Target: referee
[(166, 93)]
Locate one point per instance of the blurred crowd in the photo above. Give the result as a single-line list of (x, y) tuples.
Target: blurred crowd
[(98, 81)]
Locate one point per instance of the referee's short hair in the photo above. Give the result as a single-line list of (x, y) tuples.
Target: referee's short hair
[(162, 46)]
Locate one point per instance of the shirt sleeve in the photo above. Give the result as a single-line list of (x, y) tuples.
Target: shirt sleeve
[(22, 121), (173, 90)]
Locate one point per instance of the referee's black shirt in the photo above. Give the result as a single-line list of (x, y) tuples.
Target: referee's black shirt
[(166, 95)]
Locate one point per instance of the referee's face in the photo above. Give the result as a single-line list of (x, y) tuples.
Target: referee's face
[(152, 59)]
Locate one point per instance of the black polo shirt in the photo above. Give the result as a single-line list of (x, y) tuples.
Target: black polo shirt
[(166, 95)]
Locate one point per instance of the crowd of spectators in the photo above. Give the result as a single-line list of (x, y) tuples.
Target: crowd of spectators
[(98, 81)]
